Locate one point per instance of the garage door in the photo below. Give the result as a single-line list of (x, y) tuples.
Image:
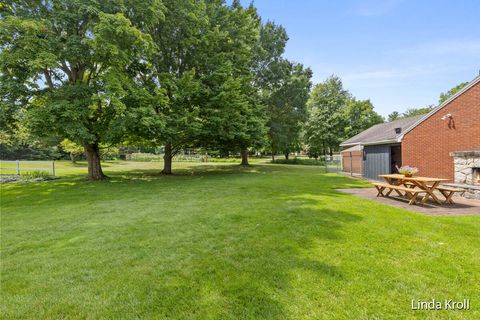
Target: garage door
[(377, 161)]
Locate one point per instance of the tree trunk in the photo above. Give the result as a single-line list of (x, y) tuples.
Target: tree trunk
[(167, 159), (244, 153), (286, 155), (273, 156), (72, 158), (92, 151)]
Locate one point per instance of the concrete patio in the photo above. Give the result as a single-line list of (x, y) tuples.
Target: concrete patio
[(462, 206)]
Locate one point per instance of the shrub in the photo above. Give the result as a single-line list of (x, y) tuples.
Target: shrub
[(229, 160), (36, 175), (306, 162), (140, 156)]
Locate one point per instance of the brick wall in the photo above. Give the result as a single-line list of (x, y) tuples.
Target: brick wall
[(356, 161), (427, 146)]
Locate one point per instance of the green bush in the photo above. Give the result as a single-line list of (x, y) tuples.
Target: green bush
[(188, 157), (149, 157), (36, 174), (140, 156), (228, 160), (306, 162)]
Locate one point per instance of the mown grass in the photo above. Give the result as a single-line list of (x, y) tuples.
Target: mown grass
[(225, 242)]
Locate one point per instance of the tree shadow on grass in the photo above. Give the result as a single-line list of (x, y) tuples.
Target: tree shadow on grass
[(251, 261), (220, 257), (240, 266), (269, 257)]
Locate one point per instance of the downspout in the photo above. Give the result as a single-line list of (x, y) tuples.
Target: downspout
[(362, 166), (351, 164)]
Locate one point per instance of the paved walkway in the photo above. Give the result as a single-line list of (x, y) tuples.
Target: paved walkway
[(462, 205)]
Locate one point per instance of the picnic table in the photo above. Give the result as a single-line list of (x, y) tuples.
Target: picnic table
[(412, 186)]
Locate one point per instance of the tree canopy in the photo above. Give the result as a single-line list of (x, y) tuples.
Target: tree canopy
[(283, 87), (67, 64), (335, 115), (173, 73), (444, 96), (359, 116), (169, 74), (324, 128), (287, 110), (410, 112)]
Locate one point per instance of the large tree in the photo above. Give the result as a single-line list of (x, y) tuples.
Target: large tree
[(247, 114), (324, 129), (359, 116), (268, 64), (67, 62), (282, 87), (199, 86), (174, 85), (286, 107)]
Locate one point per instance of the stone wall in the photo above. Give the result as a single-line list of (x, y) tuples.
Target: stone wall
[(464, 162), (472, 192)]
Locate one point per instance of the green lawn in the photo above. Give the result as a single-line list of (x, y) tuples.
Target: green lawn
[(220, 242)]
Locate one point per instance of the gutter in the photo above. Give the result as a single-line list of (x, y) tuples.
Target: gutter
[(397, 140)]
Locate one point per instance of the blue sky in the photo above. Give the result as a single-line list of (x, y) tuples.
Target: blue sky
[(397, 53)]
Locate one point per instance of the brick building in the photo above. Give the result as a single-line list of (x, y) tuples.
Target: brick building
[(352, 160), (451, 127), (429, 142)]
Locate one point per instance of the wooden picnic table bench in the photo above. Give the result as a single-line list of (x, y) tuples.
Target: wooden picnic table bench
[(448, 192), (410, 193), (424, 183)]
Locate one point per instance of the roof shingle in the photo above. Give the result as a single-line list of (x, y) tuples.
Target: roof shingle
[(382, 132)]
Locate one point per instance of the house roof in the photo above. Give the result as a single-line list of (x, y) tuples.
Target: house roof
[(385, 132), (382, 133)]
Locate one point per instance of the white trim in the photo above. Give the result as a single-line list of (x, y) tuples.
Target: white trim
[(360, 148), (371, 143), (349, 144), (439, 107), (381, 142)]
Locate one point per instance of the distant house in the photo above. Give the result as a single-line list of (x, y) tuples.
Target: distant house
[(429, 142)]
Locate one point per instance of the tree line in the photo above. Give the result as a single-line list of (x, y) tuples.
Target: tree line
[(173, 73), (176, 73), (411, 112)]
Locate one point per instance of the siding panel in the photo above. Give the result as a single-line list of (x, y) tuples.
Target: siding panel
[(377, 161)]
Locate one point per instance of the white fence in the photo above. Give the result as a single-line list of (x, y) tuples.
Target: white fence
[(20, 165)]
